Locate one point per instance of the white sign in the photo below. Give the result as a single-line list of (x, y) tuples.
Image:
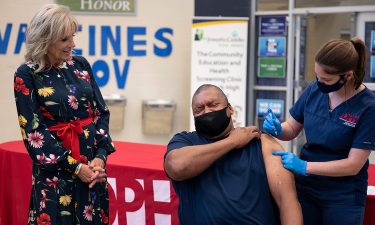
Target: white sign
[(219, 57)]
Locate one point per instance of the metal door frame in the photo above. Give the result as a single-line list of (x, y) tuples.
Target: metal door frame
[(293, 52)]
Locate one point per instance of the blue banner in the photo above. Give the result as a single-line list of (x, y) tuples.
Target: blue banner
[(271, 46), (272, 25), (276, 105)]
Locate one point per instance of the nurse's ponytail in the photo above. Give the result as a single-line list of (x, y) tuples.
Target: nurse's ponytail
[(360, 70)]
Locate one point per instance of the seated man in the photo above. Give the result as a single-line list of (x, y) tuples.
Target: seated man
[(225, 175)]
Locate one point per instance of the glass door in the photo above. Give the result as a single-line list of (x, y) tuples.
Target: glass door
[(312, 31)]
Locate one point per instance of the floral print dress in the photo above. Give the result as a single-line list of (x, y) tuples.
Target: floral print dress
[(61, 95)]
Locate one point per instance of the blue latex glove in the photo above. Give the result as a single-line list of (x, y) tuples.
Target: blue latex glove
[(271, 124), (292, 162)]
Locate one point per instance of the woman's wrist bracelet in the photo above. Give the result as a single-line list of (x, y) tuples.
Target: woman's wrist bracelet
[(78, 168)]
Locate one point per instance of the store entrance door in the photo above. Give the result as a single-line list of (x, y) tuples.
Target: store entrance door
[(365, 23), (312, 31)]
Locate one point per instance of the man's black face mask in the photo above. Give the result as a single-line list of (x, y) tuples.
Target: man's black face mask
[(212, 124)]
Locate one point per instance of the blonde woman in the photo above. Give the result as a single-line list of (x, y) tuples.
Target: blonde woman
[(64, 124)]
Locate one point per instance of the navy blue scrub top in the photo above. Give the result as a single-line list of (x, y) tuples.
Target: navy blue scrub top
[(329, 136), (233, 190)]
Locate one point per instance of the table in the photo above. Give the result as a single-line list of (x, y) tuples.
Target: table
[(370, 203), (140, 192)]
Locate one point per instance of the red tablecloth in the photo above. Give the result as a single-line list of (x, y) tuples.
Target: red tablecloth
[(140, 192)]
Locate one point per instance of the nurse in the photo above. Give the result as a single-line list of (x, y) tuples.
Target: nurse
[(337, 112)]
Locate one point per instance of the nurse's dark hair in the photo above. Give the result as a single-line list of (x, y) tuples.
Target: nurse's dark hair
[(207, 86), (339, 56)]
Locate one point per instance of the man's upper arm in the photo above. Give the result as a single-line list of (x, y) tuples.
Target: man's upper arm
[(279, 179), (179, 140), (281, 183)]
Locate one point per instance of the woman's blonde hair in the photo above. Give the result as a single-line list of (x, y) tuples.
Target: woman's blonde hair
[(49, 25)]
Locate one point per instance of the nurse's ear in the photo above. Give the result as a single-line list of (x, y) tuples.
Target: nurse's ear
[(349, 75)]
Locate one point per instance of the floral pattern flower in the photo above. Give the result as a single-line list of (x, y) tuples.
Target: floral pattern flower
[(93, 196), (86, 132), (40, 158), (31, 64), (44, 219), (31, 218), (22, 120), (70, 62), (96, 115), (73, 103), (45, 113), (84, 75), (65, 200), (102, 132), (23, 133), (35, 139), (73, 88), (71, 160), (20, 86), (104, 217), (88, 212), (52, 183), (52, 159), (83, 159), (46, 91), (63, 66), (43, 200)]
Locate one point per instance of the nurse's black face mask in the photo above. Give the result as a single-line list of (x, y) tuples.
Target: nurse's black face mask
[(325, 88), (212, 124)]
